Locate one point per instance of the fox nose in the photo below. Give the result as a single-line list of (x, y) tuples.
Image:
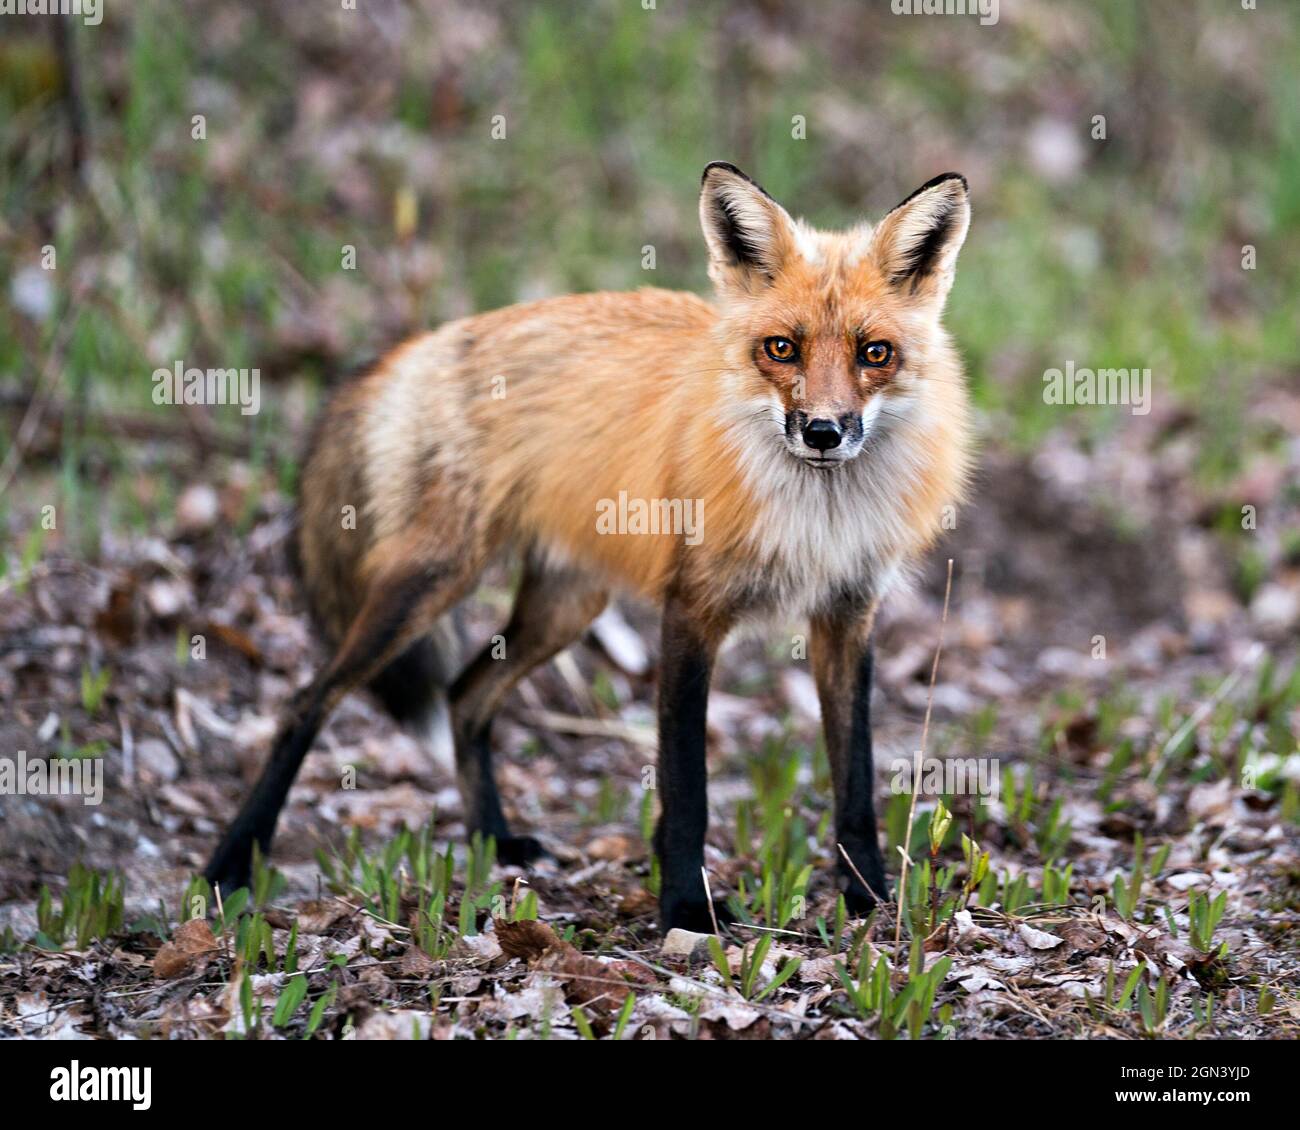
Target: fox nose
[(822, 434)]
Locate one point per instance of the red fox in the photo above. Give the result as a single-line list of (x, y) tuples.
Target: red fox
[(813, 420)]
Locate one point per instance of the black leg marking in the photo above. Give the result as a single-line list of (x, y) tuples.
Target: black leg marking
[(231, 864), (685, 669), (842, 663), (380, 631), (855, 816), (551, 610)]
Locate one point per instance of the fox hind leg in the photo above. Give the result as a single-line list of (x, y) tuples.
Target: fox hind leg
[(551, 610), (399, 608), (414, 687)]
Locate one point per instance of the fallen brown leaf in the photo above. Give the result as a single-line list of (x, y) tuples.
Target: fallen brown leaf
[(316, 916), (416, 963), (526, 940), (192, 940), (237, 641), (1083, 938), (588, 982)]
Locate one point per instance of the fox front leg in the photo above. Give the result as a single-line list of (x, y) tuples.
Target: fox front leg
[(841, 655), (689, 645)]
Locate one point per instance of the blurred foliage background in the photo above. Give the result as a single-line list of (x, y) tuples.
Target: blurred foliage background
[(293, 186), (328, 128)]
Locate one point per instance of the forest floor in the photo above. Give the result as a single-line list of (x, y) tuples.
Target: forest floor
[(1129, 710)]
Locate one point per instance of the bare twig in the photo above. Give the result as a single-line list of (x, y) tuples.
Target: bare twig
[(853, 867), (201, 436), (592, 727), (916, 770), (708, 894)]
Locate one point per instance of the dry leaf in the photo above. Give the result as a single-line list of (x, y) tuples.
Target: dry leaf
[(416, 963), (1038, 939), (1082, 937), (318, 915), (526, 940), (192, 940)]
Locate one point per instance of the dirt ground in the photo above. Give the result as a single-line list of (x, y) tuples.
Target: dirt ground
[(1020, 681)]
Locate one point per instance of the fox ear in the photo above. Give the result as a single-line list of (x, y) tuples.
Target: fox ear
[(916, 244), (748, 233)]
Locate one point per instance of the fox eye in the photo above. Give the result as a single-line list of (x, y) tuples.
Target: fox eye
[(875, 353), (781, 349)]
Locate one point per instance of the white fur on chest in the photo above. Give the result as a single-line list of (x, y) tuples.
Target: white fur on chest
[(823, 534)]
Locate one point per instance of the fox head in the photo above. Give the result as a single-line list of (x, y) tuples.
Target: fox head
[(830, 334)]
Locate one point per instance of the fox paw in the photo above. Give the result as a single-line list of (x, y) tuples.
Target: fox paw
[(228, 871), (685, 912), (519, 851)]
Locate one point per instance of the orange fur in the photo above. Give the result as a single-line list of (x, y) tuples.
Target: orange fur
[(509, 428)]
